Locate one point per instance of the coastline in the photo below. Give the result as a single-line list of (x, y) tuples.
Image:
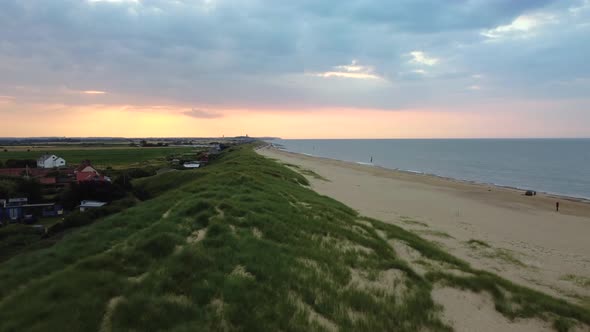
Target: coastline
[(498, 229), (555, 195), (443, 180)]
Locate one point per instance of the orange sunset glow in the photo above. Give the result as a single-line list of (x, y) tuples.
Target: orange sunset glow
[(128, 121)]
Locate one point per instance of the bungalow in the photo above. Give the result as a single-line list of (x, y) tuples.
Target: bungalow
[(191, 164), (87, 173), (86, 205), (18, 209), (85, 166), (91, 177), (14, 208), (43, 210), (50, 161), (24, 171)]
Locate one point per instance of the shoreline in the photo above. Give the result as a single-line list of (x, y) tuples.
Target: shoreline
[(559, 196), (493, 228)]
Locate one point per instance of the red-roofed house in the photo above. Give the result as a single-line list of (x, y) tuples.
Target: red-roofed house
[(85, 166), (18, 172), (48, 180), (86, 173), (91, 176)]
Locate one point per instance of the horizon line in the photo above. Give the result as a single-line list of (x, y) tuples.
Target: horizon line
[(275, 137)]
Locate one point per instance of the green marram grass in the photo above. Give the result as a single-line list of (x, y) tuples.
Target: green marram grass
[(243, 245)]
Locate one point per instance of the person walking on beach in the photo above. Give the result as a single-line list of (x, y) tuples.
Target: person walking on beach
[(557, 206), (371, 159)]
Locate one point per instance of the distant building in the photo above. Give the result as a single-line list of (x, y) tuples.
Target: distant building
[(13, 208), (48, 181), (86, 205), (85, 166), (50, 161), (191, 164), (87, 173)]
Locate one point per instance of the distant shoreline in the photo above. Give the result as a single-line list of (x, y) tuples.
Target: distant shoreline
[(558, 196)]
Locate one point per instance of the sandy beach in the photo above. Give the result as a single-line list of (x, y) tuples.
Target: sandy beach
[(501, 230)]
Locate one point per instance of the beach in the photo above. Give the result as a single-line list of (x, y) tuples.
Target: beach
[(521, 238)]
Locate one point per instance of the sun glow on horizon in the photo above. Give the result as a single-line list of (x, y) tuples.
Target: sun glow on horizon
[(178, 121), (93, 92)]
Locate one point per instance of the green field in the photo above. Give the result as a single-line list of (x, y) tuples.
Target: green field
[(103, 157), (245, 245)]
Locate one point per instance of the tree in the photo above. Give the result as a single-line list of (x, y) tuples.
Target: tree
[(7, 188), (21, 163), (30, 189)]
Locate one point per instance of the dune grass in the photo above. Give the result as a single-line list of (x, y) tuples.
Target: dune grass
[(412, 222), (578, 280), (306, 171), (243, 245), (478, 243)]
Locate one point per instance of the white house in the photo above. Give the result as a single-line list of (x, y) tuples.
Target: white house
[(191, 164), (50, 161)]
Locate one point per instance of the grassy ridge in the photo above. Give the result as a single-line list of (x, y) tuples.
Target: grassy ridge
[(243, 245), (101, 157)]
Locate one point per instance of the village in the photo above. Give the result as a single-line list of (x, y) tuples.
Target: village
[(52, 188)]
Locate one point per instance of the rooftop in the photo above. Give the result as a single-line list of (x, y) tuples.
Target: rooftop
[(92, 204)]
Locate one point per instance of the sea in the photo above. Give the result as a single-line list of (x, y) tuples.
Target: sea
[(554, 166)]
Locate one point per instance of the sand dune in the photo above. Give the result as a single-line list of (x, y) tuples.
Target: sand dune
[(498, 229)]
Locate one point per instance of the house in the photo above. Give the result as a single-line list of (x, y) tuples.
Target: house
[(86, 205), (191, 164), (14, 208), (20, 172), (91, 177), (43, 210), (85, 167), (48, 181), (19, 209), (87, 173), (50, 161)]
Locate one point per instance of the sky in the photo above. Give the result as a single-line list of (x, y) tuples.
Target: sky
[(295, 69)]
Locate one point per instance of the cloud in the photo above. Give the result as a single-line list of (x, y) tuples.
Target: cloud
[(579, 8), (93, 92), (523, 26), (260, 54), (420, 58), (353, 70), (5, 100), (201, 114), (114, 1)]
